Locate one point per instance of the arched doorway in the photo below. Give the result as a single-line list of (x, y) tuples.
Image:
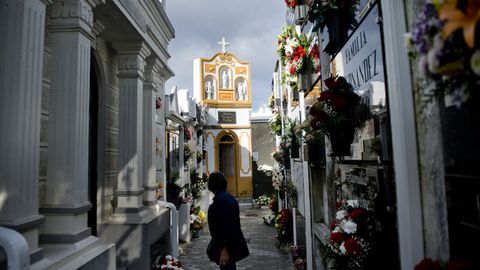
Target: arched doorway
[(96, 144), (227, 161)]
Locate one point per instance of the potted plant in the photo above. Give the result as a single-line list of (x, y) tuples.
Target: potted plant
[(332, 115)]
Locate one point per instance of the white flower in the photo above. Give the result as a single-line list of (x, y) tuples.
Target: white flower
[(423, 65), (168, 257), (348, 226), (343, 249), (341, 214), (475, 62), (352, 203), (290, 45)]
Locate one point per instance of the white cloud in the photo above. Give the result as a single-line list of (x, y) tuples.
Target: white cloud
[(251, 26)]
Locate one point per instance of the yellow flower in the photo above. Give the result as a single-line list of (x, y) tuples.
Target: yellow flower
[(456, 18), (202, 215)]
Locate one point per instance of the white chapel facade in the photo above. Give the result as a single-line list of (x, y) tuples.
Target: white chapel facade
[(222, 85)]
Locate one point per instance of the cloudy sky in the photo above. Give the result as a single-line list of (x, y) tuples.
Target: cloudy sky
[(250, 26)]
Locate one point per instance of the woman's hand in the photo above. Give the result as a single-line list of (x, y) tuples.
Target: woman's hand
[(224, 257)]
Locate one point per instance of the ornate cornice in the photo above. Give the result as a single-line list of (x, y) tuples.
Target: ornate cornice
[(131, 57), (154, 65), (72, 9)]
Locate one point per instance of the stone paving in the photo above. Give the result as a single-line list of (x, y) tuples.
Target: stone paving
[(261, 241)]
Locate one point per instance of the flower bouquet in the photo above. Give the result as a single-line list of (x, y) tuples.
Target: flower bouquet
[(298, 257), (293, 51), (167, 262), (276, 124), (351, 235), (197, 219), (283, 225), (277, 178), (444, 42), (263, 200), (332, 115)]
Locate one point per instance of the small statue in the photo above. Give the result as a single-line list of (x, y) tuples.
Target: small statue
[(210, 90), (225, 79)]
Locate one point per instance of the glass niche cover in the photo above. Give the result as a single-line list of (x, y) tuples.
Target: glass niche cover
[(360, 61)]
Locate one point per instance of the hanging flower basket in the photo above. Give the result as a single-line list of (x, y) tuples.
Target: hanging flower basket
[(332, 115)]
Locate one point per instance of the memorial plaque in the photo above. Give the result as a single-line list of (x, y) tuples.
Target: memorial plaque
[(227, 118)]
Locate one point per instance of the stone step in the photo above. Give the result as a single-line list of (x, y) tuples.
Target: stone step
[(245, 203)]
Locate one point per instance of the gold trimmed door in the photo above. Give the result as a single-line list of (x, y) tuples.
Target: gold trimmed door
[(227, 161)]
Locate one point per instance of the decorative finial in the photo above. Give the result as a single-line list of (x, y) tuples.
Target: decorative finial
[(224, 45)]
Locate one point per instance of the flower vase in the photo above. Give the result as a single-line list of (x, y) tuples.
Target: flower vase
[(300, 13), (340, 139)]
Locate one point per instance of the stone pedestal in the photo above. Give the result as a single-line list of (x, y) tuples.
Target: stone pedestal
[(21, 51)]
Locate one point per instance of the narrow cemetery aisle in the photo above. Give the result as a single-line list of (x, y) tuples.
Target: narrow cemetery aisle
[(261, 243)]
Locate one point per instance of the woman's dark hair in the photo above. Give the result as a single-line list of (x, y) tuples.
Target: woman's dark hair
[(217, 182)]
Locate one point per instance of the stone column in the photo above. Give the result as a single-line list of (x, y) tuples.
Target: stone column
[(131, 65), (67, 201), (21, 51), (150, 93)]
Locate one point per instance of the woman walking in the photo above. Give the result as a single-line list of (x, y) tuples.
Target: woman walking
[(228, 244)]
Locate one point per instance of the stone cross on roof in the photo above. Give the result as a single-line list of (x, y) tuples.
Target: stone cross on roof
[(224, 45)]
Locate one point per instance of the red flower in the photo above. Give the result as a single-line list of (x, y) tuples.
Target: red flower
[(325, 96), (352, 246), (338, 102), (290, 3), (338, 204), (333, 83), (336, 237), (299, 52), (333, 225), (187, 133), (356, 212), (459, 265), (292, 70), (428, 264), (314, 52)]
